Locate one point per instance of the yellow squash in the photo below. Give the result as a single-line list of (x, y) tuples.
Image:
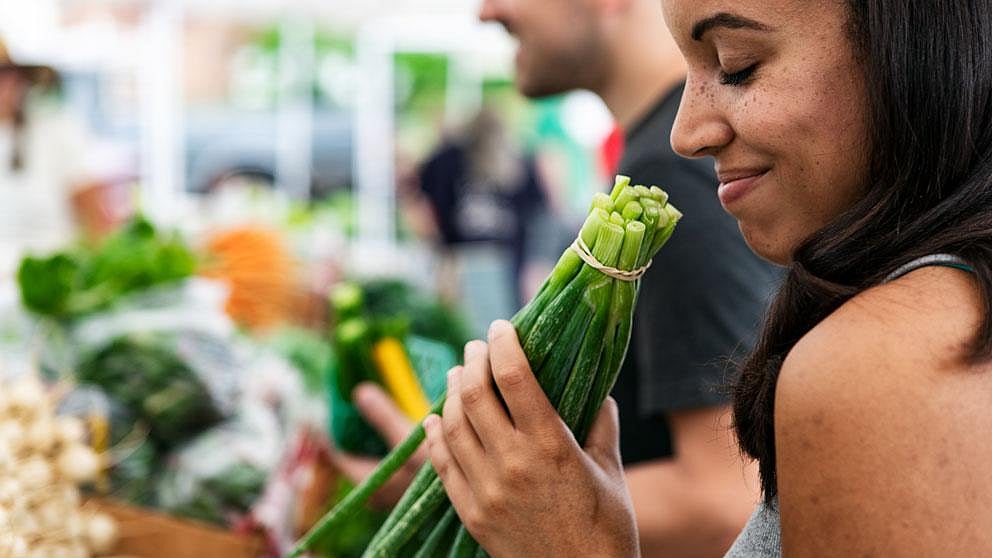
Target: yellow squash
[(400, 379)]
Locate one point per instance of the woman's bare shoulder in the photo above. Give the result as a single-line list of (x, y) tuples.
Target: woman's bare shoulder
[(881, 423), (922, 323)]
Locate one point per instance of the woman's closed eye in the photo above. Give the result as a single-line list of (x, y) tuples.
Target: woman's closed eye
[(737, 78)]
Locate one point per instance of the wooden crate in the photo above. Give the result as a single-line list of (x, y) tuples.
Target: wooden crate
[(151, 534)]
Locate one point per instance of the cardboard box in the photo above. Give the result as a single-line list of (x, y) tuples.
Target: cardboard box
[(151, 534)]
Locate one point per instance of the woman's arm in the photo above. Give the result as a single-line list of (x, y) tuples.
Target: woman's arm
[(518, 480), (882, 429)]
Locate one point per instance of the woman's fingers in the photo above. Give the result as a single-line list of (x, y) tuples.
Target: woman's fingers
[(461, 438), (478, 398), (444, 462), (603, 442), (529, 406)]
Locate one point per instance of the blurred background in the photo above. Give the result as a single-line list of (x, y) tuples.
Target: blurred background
[(198, 112), (214, 203)]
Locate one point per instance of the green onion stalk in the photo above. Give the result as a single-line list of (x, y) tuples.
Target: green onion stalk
[(574, 332)]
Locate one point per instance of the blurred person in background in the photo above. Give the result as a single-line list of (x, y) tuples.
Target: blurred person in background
[(42, 164), (704, 295), (484, 193)]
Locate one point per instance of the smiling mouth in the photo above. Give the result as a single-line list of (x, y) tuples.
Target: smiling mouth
[(734, 185)]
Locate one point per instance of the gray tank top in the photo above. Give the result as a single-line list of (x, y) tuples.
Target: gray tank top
[(762, 536)]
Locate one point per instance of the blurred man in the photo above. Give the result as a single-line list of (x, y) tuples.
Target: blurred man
[(701, 300)]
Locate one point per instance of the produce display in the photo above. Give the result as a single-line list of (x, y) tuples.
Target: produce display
[(193, 379), (148, 353), (575, 334), (197, 424), (43, 460)]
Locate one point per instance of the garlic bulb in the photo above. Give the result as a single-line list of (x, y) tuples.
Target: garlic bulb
[(69, 430), (43, 459), (101, 532), (26, 396), (35, 473), (78, 463)]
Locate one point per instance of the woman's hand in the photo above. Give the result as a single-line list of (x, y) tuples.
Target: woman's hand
[(518, 480)]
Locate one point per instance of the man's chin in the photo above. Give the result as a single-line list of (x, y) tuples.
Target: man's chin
[(537, 89)]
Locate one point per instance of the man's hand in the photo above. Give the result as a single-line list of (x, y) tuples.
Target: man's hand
[(382, 414)]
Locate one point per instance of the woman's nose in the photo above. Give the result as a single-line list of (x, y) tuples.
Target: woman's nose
[(700, 128)]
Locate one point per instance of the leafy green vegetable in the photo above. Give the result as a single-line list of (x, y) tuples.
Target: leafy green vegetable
[(144, 374), (424, 315), (82, 280), (47, 284), (236, 488)]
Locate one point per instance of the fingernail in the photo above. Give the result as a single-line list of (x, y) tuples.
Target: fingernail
[(431, 424), (497, 326), (452, 376), (430, 421), (362, 393), (473, 348)]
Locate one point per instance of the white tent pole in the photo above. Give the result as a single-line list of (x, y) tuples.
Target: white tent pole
[(373, 140), (294, 118), (162, 130)]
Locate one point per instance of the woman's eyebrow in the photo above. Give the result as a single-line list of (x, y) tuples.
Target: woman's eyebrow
[(728, 20)]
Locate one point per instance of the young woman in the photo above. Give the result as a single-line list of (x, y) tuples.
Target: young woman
[(853, 141)]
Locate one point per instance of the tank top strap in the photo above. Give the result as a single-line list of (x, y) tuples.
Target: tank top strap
[(942, 260)]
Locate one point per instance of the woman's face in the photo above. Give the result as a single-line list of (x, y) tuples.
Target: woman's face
[(776, 96)]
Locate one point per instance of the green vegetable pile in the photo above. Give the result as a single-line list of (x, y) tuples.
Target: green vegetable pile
[(575, 334), (81, 281), (144, 373), (235, 488)]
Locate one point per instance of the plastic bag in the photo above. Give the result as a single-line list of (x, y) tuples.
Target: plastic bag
[(219, 475)]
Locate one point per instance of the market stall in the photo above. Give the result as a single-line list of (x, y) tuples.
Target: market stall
[(178, 369)]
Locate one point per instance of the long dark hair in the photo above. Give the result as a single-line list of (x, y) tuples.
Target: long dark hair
[(928, 70)]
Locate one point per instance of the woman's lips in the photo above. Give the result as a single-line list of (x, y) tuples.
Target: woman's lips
[(734, 186)]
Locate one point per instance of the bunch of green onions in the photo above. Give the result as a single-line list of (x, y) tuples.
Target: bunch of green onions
[(575, 334)]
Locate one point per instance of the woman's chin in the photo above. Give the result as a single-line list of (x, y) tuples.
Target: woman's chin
[(766, 245)]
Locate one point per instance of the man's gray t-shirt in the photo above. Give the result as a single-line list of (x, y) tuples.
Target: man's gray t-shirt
[(699, 304)]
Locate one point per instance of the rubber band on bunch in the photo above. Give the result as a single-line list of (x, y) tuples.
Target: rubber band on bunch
[(580, 248)]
